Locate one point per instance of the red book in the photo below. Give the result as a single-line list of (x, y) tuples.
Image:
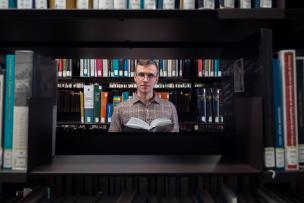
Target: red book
[(288, 62)]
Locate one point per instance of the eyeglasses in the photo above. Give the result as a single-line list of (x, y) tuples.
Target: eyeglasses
[(149, 76)]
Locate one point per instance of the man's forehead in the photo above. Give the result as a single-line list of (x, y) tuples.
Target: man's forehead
[(149, 68)]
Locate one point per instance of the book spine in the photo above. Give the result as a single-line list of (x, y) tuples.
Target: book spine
[(109, 112), (134, 4), (4, 4), (12, 3), (1, 115), (120, 4), (278, 123), (287, 59), (168, 4), (245, 3), (265, 3), (24, 4), (88, 103), (81, 102), (97, 90), (106, 4), (23, 91), (9, 111), (188, 4), (300, 97), (82, 4), (150, 4), (103, 106)]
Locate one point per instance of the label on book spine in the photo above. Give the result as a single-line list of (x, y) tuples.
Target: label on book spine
[(291, 154), (60, 4), (245, 4), (3, 4), (82, 4), (229, 3), (41, 4), (106, 4), (266, 3), (280, 158), (168, 4), (134, 4), (120, 4), (8, 158), (150, 4), (301, 153), (269, 157), (27, 4)]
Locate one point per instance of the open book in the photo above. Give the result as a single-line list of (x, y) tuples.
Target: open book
[(157, 125)]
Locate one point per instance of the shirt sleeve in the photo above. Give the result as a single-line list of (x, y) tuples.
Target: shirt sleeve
[(174, 119), (115, 125)]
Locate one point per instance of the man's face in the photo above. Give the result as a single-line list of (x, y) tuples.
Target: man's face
[(146, 77)]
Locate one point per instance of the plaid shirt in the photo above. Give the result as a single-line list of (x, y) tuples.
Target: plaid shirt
[(134, 107)]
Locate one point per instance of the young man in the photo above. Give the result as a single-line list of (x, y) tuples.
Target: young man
[(144, 104)]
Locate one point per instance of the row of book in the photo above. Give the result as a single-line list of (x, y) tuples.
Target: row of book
[(112, 85), (288, 91), (95, 104), (24, 75), (134, 4), (126, 67)]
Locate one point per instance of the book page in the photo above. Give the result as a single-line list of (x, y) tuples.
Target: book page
[(158, 122), (137, 123)]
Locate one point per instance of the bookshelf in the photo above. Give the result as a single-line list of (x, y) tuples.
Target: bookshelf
[(232, 34)]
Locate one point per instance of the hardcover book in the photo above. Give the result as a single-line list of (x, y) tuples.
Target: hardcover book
[(157, 125)]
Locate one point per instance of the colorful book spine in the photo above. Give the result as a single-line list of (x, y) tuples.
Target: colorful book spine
[(109, 112), (278, 117), (288, 63), (9, 111), (97, 90)]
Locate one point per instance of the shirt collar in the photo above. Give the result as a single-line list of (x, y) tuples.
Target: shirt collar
[(155, 99)]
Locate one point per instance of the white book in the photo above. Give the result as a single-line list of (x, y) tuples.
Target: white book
[(120, 4), (24, 4), (3, 4), (106, 4), (209, 4), (81, 67), (23, 91), (245, 3), (95, 4), (92, 66), (168, 4), (1, 115), (189, 4), (134, 4), (157, 125), (227, 4), (41, 4), (169, 68), (88, 103), (105, 67), (266, 3), (82, 4), (149, 4)]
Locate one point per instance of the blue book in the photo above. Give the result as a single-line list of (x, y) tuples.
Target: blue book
[(12, 3), (125, 96), (9, 111), (115, 67), (256, 4), (278, 114), (126, 68), (109, 112), (216, 67)]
